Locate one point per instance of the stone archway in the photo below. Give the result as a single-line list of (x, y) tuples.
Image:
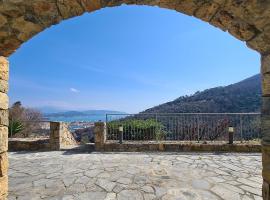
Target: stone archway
[(247, 20)]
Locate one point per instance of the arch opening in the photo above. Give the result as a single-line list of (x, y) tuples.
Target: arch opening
[(247, 21)]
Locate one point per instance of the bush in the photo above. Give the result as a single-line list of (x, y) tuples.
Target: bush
[(135, 129), (14, 128), (23, 122)]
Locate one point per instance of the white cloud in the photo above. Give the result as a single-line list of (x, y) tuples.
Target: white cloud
[(74, 90)]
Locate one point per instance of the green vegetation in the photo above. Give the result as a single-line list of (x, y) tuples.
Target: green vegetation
[(23, 122), (136, 129), (244, 96), (14, 128)]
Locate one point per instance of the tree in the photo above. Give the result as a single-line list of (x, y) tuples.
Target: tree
[(23, 121)]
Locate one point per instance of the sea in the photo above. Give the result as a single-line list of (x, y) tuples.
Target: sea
[(88, 118)]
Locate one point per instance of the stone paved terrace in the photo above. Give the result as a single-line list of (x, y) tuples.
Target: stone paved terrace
[(138, 176)]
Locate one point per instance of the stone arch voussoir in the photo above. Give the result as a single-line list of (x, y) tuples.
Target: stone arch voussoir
[(248, 21)]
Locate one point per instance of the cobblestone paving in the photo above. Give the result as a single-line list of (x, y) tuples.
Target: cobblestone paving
[(135, 176)]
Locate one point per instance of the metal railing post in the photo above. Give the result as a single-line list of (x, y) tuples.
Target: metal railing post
[(198, 129), (121, 130), (241, 128)]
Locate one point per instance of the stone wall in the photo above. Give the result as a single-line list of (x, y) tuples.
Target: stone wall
[(60, 136), (179, 147), (265, 71), (101, 144), (4, 74), (22, 144)]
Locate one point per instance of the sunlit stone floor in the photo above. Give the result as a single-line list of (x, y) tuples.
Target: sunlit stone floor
[(138, 176)]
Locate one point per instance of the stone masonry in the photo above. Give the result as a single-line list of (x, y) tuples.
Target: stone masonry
[(60, 137), (100, 136), (4, 71), (134, 176), (247, 20), (265, 70)]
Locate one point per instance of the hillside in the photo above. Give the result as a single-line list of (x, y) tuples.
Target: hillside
[(243, 96)]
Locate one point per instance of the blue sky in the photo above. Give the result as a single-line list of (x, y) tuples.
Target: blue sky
[(127, 58)]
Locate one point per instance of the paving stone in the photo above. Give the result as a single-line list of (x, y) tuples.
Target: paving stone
[(130, 195), (67, 197), (76, 188), (251, 190), (105, 184), (83, 180), (225, 193), (200, 184), (125, 181), (93, 173), (91, 196), (111, 196), (148, 176), (148, 189), (69, 180)]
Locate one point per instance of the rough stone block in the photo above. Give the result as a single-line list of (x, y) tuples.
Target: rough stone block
[(265, 127), (266, 162), (3, 86), (3, 187), (100, 134), (222, 20), (91, 5), (241, 30), (69, 8), (4, 117), (4, 68), (3, 139), (265, 64), (265, 109), (266, 190), (207, 11), (266, 84), (3, 101), (260, 43), (188, 6), (161, 147), (3, 164)]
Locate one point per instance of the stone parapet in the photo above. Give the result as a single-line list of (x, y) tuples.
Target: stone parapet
[(4, 75), (18, 144), (179, 147), (100, 135)]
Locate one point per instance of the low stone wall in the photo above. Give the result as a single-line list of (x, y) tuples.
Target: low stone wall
[(180, 147), (60, 136), (21, 144), (102, 144)]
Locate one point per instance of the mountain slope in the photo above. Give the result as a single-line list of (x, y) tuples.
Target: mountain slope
[(244, 96)]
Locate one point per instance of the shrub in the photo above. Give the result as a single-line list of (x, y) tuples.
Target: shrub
[(136, 129)]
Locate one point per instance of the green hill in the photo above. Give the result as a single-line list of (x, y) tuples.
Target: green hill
[(244, 96)]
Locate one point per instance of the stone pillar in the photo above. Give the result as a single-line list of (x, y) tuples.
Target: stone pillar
[(4, 75), (60, 136), (265, 125), (55, 129), (100, 135)]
